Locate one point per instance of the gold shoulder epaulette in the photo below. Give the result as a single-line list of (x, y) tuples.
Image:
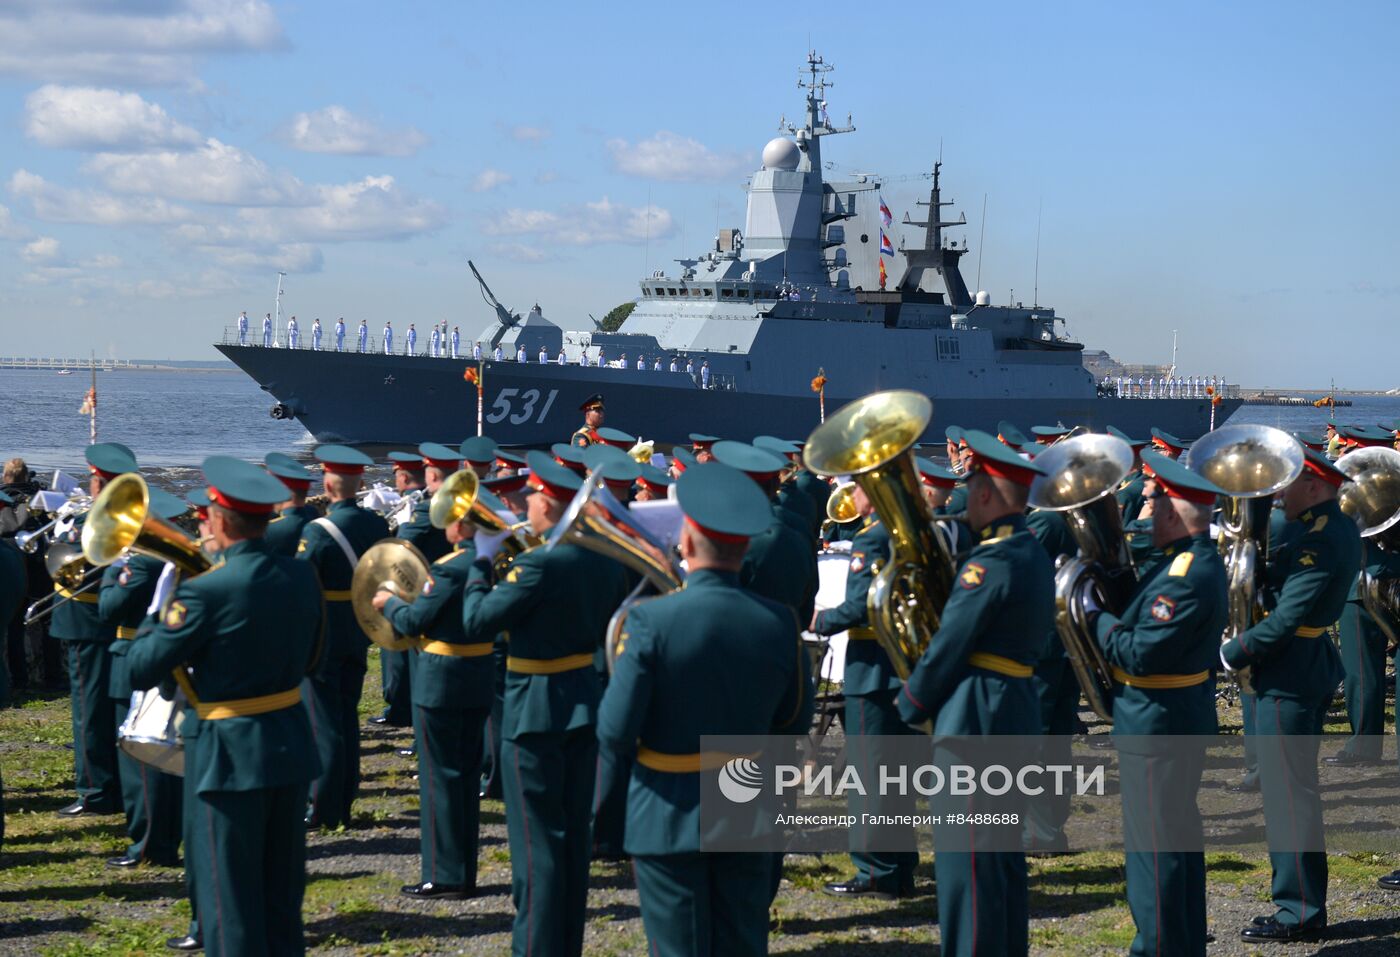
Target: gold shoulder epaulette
[(1181, 565)]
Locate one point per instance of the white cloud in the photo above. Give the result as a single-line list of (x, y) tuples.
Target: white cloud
[(215, 173), (518, 252), (287, 257), (58, 204), (598, 222), (488, 179), (525, 134), (9, 229), (84, 118), (336, 130), (153, 42), (372, 208), (42, 250), (674, 158)]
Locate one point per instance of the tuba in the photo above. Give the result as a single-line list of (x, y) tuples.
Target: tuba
[(871, 441), (597, 521), (1252, 463), (1081, 475), (1372, 499), (840, 506)]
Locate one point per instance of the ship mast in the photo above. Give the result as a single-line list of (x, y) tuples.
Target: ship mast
[(934, 255), (817, 123)]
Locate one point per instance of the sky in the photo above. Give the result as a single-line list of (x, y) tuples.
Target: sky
[(1226, 171)]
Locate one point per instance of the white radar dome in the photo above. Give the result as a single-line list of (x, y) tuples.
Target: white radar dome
[(984, 298), (781, 153)]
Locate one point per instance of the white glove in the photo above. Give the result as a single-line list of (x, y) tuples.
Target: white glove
[(1223, 662), (1091, 601), (488, 544), (165, 587)]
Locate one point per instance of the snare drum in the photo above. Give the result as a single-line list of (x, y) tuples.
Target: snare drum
[(151, 731)]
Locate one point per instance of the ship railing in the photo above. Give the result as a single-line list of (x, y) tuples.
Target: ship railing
[(1132, 390)]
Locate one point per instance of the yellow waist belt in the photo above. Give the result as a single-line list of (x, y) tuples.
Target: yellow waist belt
[(476, 650), (125, 632), (1160, 682), (1003, 666), (1310, 632), (247, 707), (684, 763), (548, 666), (330, 595), (89, 597), (860, 633)]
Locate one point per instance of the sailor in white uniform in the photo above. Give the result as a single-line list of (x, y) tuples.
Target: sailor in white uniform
[(388, 337), (316, 336), (412, 339), (363, 336), (243, 328), (456, 341), (293, 334), (267, 331)]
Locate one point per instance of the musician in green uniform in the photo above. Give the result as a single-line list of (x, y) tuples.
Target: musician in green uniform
[(801, 492), (78, 624), (781, 561), (284, 531), (1130, 492), (1363, 647), (150, 797), (439, 462), (555, 603), (592, 409), (332, 545), (870, 687), (452, 689), (479, 454), (712, 658), (1164, 443), (974, 679), (1012, 437), (1047, 435), (1163, 649), (958, 457), (1057, 692), (1295, 669), (13, 588), (249, 754)]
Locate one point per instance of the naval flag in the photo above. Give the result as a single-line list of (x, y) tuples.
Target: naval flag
[(885, 217), (886, 247)]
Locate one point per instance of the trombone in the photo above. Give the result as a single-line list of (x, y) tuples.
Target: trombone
[(72, 576)]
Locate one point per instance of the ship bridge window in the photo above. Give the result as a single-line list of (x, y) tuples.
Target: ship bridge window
[(709, 293), (949, 349), (726, 293), (695, 293), (670, 292)]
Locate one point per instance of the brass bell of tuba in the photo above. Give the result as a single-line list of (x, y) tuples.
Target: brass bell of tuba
[(840, 505), (459, 496), (597, 521), (1252, 463), (121, 520), (871, 440), (1372, 499), (1082, 473)]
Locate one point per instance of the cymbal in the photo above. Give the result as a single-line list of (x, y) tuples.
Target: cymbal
[(390, 560)]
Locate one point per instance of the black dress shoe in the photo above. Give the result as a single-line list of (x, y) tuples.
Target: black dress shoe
[(379, 719), (1390, 881), (1344, 759), (858, 887), (184, 943), (124, 861), (80, 808), (1271, 931), (430, 891)]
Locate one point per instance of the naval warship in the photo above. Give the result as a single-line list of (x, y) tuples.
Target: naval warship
[(799, 297)]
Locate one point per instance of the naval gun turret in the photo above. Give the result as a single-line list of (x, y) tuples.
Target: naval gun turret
[(510, 330)]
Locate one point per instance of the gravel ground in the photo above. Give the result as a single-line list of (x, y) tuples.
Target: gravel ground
[(57, 897)]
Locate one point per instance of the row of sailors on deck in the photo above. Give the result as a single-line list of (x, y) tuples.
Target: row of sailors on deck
[(1164, 387)]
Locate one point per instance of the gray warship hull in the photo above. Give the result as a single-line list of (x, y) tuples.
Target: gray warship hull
[(369, 399)]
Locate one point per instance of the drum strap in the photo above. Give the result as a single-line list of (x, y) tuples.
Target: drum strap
[(339, 538)]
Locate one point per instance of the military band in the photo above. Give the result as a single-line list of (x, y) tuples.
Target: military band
[(534, 672)]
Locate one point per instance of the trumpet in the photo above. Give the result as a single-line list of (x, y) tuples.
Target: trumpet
[(871, 440), (459, 497), (1081, 474), (1251, 463)]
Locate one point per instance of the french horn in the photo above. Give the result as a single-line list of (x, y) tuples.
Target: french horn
[(871, 440), (1082, 473)]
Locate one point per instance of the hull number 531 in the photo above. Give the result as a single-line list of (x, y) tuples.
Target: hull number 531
[(520, 406)]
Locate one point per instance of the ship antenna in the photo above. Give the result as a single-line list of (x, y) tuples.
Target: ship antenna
[(982, 242), (646, 256), (1035, 291)]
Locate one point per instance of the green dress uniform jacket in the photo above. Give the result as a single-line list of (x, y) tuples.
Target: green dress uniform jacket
[(957, 502), (584, 437), (711, 658), (396, 667), (1363, 658), (452, 691), (555, 603), (151, 799), (1057, 690), (284, 531), (1163, 648), (806, 486), (781, 565), (249, 752), (1295, 668), (1129, 495), (78, 624), (870, 684), (13, 588), (338, 680), (975, 680)]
